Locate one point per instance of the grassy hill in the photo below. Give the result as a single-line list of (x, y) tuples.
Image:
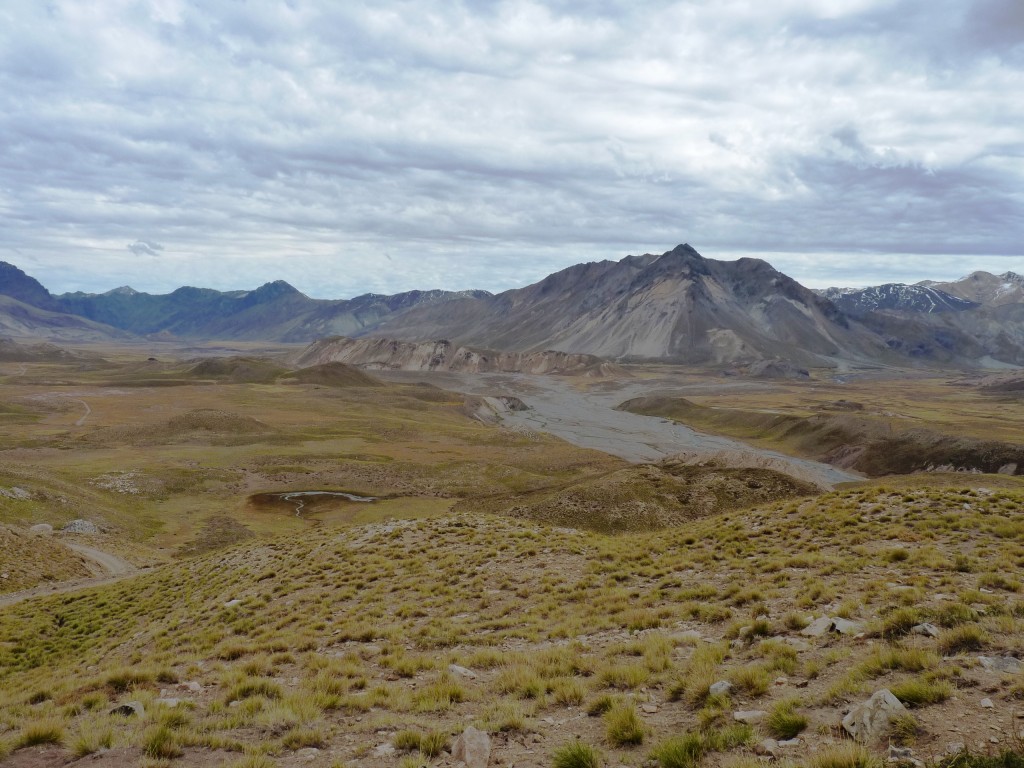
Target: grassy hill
[(342, 639)]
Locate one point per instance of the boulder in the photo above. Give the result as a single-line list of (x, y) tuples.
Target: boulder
[(455, 669), (844, 627), (472, 747), (80, 526), (1007, 664), (868, 722), (927, 630), (817, 628), (720, 688), (749, 716)]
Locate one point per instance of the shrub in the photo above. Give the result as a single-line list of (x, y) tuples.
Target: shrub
[(899, 623), (406, 741), (844, 756), (920, 693), (966, 637), (623, 726), (162, 744), (433, 744), (783, 722), (680, 752), (41, 732), (576, 754)]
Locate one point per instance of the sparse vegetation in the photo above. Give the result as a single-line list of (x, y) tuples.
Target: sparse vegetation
[(363, 619)]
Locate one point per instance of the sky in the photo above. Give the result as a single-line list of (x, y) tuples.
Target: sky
[(352, 147)]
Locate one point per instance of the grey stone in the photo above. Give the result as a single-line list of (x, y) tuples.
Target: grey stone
[(927, 630), (168, 702), (308, 754), (232, 603), (472, 747), (80, 526), (722, 686), (817, 628), (384, 750), (987, 704), (129, 709), (869, 721), (796, 643), (455, 669), (749, 716), (1007, 664), (955, 747), (845, 627), (767, 747), (789, 743), (649, 709), (190, 685)]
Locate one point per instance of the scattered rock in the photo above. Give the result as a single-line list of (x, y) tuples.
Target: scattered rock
[(472, 747), (168, 702), (190, 685), (749, 716), (384, 750), (19, 494), (767, 747), (719, 688), (1007, 664), (869, 721), (308, 754), (650, 709), (845, 627), (81, 526), (927, 630), (955, 747), (987, 704), (796, 643), (455, 669), (817, 628), (789, 743), (130, 709), (41, 529)]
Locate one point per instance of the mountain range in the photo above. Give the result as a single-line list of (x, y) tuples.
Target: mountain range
[(675, 307)]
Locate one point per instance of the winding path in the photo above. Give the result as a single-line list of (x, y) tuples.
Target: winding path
[(113, 566)]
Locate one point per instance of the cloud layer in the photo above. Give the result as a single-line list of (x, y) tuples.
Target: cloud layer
[(353, 147)]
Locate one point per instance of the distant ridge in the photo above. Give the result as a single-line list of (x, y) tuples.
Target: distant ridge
[(677, 307)]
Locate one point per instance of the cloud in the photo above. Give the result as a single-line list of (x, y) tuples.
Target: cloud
[(484, 144), (145, 248)]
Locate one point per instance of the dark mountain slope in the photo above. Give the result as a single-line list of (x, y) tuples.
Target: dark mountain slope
[(676, 306)]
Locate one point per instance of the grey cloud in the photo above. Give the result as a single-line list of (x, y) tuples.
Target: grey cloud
[(145, 248), (462, 137)]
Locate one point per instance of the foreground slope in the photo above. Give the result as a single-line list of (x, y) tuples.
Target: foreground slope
[(337, 645)]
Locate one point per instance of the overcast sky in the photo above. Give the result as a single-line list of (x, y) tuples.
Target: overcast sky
[(387, 145)]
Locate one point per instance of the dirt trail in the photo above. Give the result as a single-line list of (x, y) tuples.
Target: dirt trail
[(113, 566)]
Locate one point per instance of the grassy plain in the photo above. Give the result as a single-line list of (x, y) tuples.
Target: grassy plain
[(372, 634)]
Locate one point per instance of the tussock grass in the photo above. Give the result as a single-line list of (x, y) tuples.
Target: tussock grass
[(576, 754)]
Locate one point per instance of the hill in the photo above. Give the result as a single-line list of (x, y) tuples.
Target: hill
[(678, 306), (390, 354)]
